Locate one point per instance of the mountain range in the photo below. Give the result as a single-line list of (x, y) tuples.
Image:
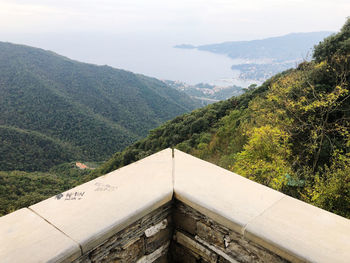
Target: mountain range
[(263, 58), (290, 134), (54, 109)]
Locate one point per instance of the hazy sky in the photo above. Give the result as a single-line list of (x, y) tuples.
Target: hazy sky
[(193, 21), (139, 35)]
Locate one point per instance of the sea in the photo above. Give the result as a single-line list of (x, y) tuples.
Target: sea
[(153, 56)]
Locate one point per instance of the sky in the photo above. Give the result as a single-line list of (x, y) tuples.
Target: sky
[(139, 35), (192, 21)]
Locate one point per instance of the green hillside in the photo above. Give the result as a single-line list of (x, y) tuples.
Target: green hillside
[(291, 134), (59, 110), (21, 189), (21, 150)]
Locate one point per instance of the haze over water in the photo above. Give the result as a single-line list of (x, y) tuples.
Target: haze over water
[(152, 56)]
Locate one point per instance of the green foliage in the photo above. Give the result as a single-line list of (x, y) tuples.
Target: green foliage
[(286, 134), (264, 158), (31, 151), (335, 45), (185, 132), (21, 189), (291, 133), (69, 110), (330, 188)]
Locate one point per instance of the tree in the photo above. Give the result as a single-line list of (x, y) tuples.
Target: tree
[(264, 157), (331, 188)]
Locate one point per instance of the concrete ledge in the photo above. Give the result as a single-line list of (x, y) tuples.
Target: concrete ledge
[(299, 231), (86, 216), (94, 211), (227, 198), (296, 231), (26, 237)]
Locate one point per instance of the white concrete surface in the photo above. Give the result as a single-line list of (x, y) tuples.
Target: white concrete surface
[(94, 211), (227, 198), (26, 237), (297, 230)]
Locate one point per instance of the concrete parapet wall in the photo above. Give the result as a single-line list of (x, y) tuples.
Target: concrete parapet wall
[(292, 229), (199, 211), (108, 219)]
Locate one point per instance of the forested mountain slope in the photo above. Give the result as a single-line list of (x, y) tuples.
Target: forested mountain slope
[(291, 133), (54, 110), (282, 48)]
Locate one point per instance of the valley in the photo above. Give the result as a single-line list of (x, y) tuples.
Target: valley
[(290, 133), (56, 110)]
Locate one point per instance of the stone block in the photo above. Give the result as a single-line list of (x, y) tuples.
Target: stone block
[(246, 252), (185, 222), (180, 254), (83, 259), (153, 230), (162, 259), (222, 260), (161, 251), (131, 253), (211, 236), (155, 241), (194, 246)]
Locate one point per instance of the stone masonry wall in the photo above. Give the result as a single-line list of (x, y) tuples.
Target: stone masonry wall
[(199, 239), (146, 240), (188, 236)]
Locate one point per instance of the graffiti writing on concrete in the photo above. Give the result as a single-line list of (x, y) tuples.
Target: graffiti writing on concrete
[(101, 187), (70, 196)]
